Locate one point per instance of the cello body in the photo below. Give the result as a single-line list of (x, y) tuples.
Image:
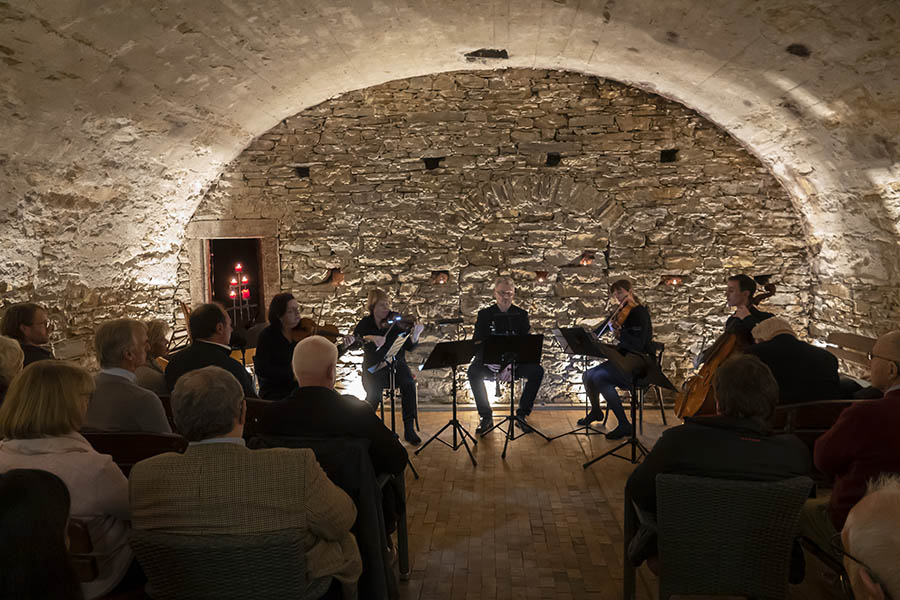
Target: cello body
[(698, 397)]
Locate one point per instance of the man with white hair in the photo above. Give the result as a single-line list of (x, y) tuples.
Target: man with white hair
[(871, 540), (316, 409), (861, 445), (219, 486), (804, 373), (118, 402)]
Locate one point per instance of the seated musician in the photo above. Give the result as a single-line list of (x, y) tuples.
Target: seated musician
[(378, 331), (734, 444), (634, 335), (860, 446), (739, 293), (502, 318), (275, 347), (804, 373)]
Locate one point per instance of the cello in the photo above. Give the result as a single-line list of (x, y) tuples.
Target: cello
[(698, 397)]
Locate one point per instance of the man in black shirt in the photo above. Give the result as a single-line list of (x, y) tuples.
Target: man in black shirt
[(28, 323), (502, 318)]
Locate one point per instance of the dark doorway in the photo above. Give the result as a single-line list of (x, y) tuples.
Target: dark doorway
[(224, 256)]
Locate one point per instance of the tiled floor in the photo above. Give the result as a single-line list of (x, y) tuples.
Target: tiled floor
[(536, 525)]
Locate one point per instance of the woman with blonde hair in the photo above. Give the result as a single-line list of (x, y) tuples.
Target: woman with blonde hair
[(39, 423), (150, 375), (11, 361)]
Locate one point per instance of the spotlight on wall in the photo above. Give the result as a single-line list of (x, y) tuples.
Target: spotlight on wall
[(540, 276), (672, 280), (587, 258), (440, 277), (335, 277)]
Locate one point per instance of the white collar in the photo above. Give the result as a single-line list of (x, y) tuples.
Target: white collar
[(216, 344), (220, 440), (119, 372)]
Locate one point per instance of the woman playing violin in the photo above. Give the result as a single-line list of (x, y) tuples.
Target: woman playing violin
[(378, 331), (275, 348), (634, 333)]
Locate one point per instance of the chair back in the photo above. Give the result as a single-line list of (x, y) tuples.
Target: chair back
[(656, 353), (81, 551), (726, 537), (347, 463), (127, 448), (216, 567), (808, 420)]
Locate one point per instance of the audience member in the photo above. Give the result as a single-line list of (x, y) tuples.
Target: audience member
[(39, 423), (150, 375), (34, 512), (210, 328), (275, 348), (734, 444), (218, 486), (804, 373), (871, 540), (11, 363), (861, 445), (29, 324), (118, 402), (315, 409)]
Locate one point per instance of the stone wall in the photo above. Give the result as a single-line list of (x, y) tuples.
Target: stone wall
[(494, 204)]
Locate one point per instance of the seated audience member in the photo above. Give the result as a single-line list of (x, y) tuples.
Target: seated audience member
[(315, 409), (275, 348), (871, 540), (39, 423), (29, 324), (804, 373), (734, 444), (11, 362), (34, 513), (861, 445), (218, 486), (118, 402), (210, 328), (150, 375)]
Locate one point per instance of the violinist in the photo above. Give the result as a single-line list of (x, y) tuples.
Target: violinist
[(378, 330), (275, 349), (739, 293), (634, 334)]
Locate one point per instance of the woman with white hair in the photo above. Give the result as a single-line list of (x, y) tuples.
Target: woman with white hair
[(150, 375), (11, 361)]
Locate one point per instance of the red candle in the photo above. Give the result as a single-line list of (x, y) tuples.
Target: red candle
[(245, 294), (238, 267)]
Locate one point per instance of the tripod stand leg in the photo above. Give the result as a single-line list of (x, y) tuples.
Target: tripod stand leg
[(432, 438)]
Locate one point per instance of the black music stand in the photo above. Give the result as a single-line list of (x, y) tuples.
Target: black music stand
[(577, 341), (390, 361), (444, 355), (511, 350), (654, 376)]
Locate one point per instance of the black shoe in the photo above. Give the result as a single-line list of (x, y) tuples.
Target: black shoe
[(521, 424), (619, 432), (410, 436), (485, 424), (590, 418)]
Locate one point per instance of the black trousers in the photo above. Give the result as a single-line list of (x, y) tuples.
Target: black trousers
[(534, 373), (376, 383)]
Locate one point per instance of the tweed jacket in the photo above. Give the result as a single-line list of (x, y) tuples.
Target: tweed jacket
[(118, 404), (223, 488)]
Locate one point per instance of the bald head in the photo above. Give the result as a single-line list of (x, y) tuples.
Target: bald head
[(315, 362), (884, 368), (871, 534)]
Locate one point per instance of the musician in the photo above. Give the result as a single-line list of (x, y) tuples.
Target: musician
[(275, 349), (739, 293), (378, 333), (634, 336), (804, 373), (502, 318)]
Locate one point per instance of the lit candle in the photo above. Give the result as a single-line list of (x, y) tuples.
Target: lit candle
[(238, 267), (245, 294)]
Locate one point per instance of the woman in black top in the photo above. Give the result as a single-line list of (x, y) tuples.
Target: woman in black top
[(275, 349), (378, 334), (634, 335)]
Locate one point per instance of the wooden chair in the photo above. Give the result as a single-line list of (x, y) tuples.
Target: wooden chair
[(808, 420), (127, 449)]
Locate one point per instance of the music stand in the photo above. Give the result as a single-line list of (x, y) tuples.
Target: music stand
[(654, 376), (576, 341), (511, 350), (451, 354)]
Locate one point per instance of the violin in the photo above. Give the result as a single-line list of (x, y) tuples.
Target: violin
[(617, 317), (307, 327)]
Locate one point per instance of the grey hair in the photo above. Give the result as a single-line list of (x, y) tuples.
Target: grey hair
[(206, 403), (157, 330), (875, 537), (11, 359), (113, 338), (504, 279)]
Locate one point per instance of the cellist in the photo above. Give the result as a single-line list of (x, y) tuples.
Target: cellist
[(634, 333), (739, 293)]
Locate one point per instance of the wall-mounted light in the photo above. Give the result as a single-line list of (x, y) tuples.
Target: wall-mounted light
[(440, 277), (587, 258), (672, 280), (336, 277), (540, 276)]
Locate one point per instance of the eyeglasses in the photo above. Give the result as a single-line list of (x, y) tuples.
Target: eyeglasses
[(838, 549), (872, 355)]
